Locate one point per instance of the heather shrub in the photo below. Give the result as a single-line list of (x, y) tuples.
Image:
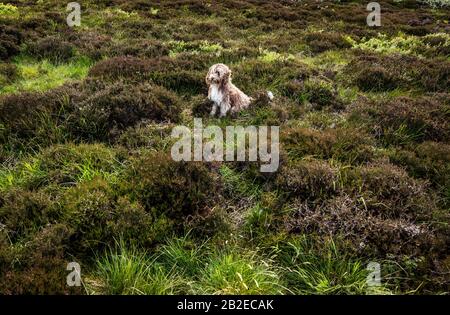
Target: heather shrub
[(147, 135), (67, 164), (436, 3), (352, 145), (378, 73), (212, 224), (92, 44), (435, 45), (253, 74), (294, 89), (176, 74), (239, 54), (365, 232), (376, 78), (52, 48), (147, 48), (109, 110), (118, 67), (319, 93), (163, 186), (263, 111), (261, 99), (90, 111), (251, 171), (16, 109), (344, 144), (55, 16), (197, 8), (134, 67), (273, 114), (38, 24), (431, 45), (34, 116), (428, 160), (8, 72), (301, 142), (182, 81), (39, 266), (98, 218), (404, 119), (305, 179), (196, 61), (320, 42), (372, 73), (390, 193), (6, 252), (23, 212), (201, 106), (10, 40)]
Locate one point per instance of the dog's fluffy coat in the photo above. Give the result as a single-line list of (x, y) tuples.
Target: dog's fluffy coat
[(225, 95)]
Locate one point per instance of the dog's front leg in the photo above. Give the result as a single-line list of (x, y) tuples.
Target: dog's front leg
[(214, 109), (224, 108)]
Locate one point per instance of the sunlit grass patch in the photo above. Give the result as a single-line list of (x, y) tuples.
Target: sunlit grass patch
[(402, 43), (388, 95), (118, 13), (329, 270), (183, 254), (236, 182), (127, 270), (110, 17), (10, 177), (179, 46), (319, 120), (436, 3), (331, 59), (62, 164), (383, 44), (43, 75), (272, 56), (8, 10), (154, 11), (182, 266), (239, 273)]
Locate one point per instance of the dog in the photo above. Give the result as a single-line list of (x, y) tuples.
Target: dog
[(223, 93)]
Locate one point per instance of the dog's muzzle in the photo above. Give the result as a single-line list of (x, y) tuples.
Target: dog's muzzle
[(213, 80)]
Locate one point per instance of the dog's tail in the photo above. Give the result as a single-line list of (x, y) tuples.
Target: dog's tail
[(262, 98)]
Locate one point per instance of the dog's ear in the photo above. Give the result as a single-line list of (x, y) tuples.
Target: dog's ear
[(227, 75)]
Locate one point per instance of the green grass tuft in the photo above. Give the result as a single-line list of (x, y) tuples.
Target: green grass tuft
[(43, 75)]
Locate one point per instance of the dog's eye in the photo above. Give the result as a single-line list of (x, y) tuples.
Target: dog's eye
[(218, 72)]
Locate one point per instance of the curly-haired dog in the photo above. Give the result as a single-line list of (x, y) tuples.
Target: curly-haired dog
[(223, 93)]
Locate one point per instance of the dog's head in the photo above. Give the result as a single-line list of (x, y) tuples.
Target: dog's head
[(217, 74)]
